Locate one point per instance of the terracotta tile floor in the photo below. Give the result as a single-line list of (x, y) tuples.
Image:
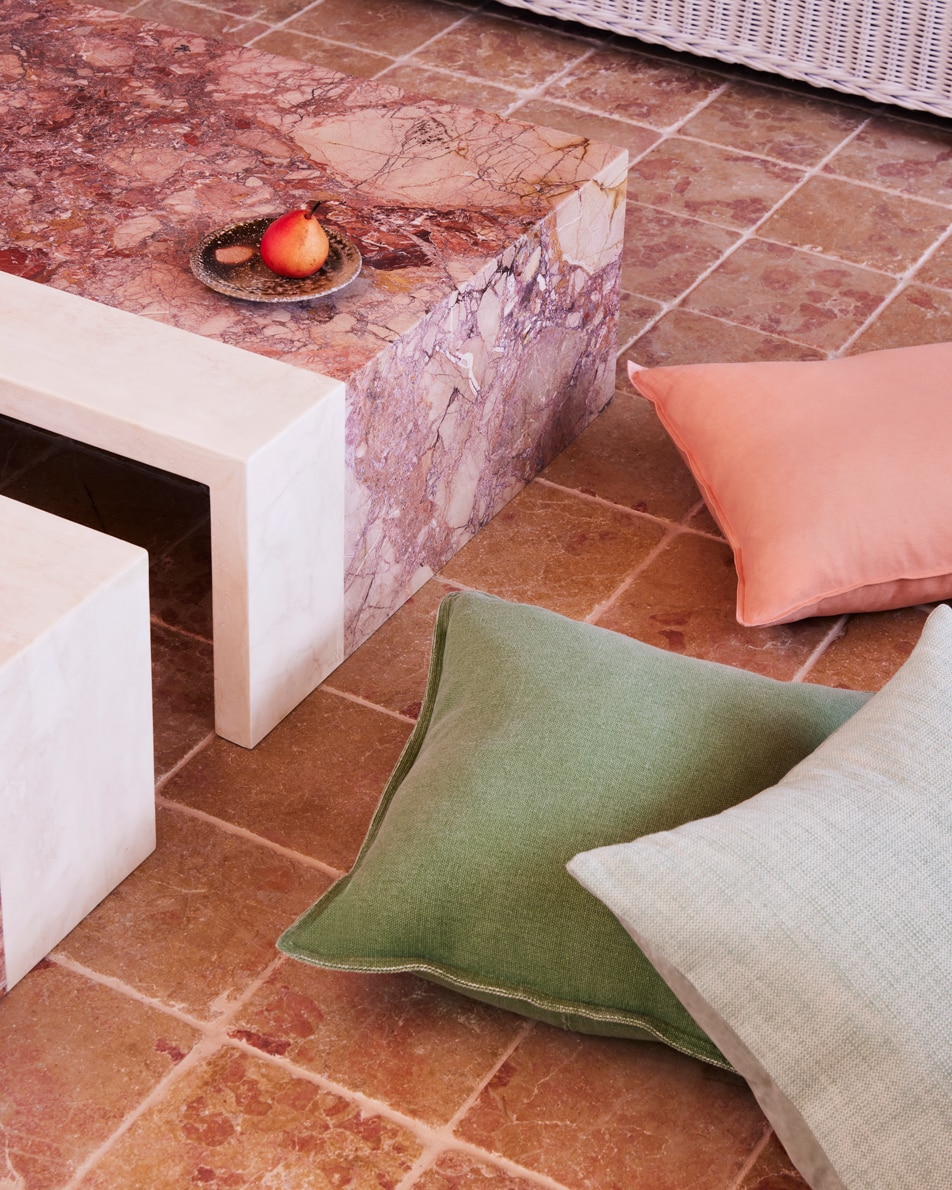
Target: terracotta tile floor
[(165, 1044)]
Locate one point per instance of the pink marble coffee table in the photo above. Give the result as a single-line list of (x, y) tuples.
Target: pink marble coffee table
[(476, 343)]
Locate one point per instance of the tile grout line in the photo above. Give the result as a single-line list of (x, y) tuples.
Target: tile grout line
[(430, 1137), (213, 1038), (282, 26), (693, 511), (661, 522), (752, 1158), (902, 283), (610, 601), (298, 13), (200, 1051), (831, 174), (487, 1157), (360, 701), (180, 764), (834, 633), (527, 94), (527, 1027), (748, 234), (523, 95), (119, 986), (662, 133), (674, 306), (444, 1140), (241, 832)]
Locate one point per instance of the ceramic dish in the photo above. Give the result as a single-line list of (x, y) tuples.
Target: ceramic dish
[(253, 281)]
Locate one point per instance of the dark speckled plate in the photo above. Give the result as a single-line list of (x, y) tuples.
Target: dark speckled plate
[(253, 281)]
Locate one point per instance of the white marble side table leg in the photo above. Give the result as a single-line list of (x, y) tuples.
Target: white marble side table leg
[(266, 438)]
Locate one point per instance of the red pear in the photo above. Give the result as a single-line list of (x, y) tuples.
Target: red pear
[(295, 244)]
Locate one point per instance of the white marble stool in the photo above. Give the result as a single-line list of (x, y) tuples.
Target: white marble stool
[(77, 796)]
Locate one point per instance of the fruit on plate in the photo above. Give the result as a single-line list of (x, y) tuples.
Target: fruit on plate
[(295, 244)]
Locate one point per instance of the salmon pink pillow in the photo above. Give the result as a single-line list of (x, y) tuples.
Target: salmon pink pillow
[(831, 480)]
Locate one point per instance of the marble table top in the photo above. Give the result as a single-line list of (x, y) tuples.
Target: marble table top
[(478, 339), (124, 142)]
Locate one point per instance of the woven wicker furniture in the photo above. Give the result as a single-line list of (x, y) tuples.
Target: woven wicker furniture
[(889, 51)]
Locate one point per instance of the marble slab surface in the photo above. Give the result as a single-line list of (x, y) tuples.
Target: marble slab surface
[(479, 337)]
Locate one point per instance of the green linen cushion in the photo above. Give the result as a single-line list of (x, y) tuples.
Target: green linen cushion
[(809, 932), (540, 737)]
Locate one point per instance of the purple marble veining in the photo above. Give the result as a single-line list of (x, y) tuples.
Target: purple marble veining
[(449, 423), (478, 339)]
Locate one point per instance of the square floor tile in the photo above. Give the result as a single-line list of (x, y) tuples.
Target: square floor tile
[(797, 295), (601, 1113), (709, 182), (198, 920), (420, 1048), (75, 1058), (238, 1121), (554, 549), (790, 127), (311, 785), (883, 231)]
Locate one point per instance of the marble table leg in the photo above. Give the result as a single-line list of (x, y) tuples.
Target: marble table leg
[(77, 810), (265, 437), (278, 573)]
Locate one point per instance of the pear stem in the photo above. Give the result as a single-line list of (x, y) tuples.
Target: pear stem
[(312, 209)]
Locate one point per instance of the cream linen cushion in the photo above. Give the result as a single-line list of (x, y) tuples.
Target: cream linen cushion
[(808, 930)]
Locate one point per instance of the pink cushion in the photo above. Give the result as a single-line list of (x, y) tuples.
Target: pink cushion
[(831, 480)]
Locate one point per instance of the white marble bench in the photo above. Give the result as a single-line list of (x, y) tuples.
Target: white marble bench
[(266, 438), (77, 797)]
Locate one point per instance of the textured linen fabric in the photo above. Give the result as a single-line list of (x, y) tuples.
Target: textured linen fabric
[(539, 737), (829, 478), (810, 931)]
